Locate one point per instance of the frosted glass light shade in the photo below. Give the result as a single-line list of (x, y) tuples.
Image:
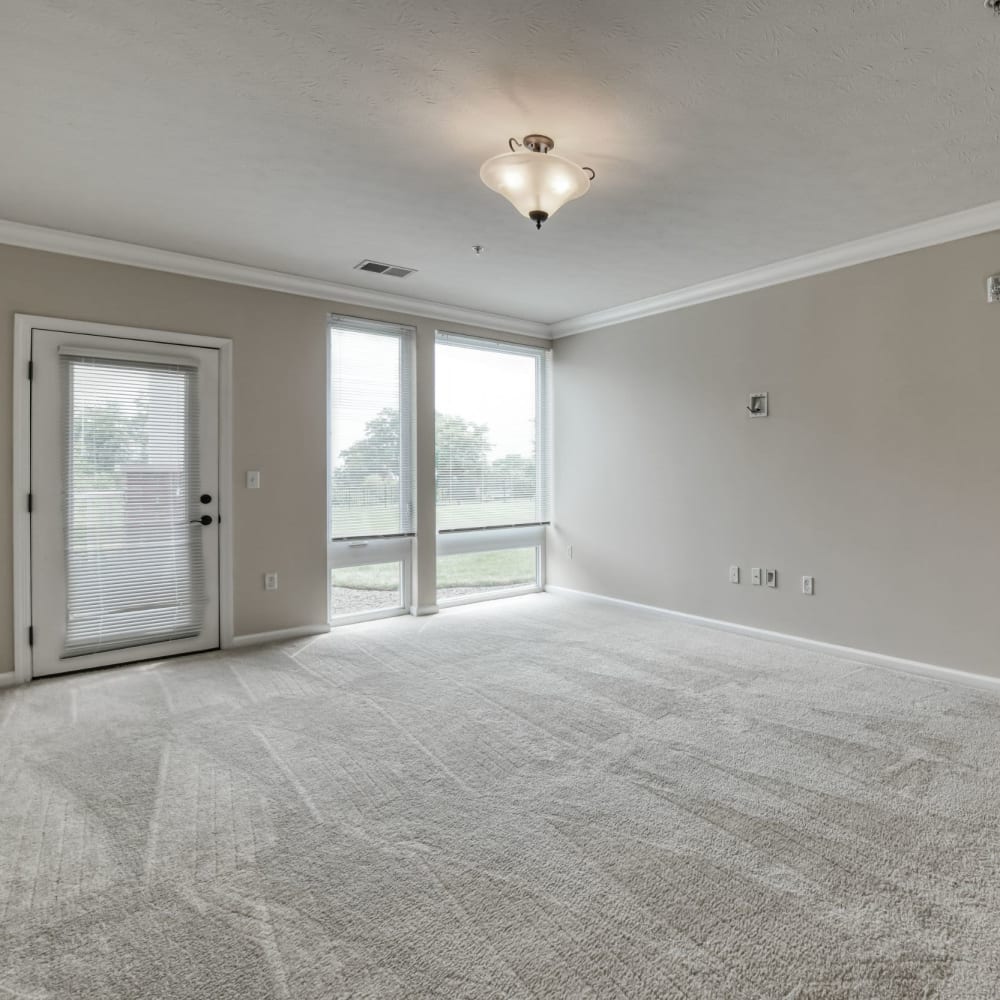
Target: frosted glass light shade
[(539, 183)]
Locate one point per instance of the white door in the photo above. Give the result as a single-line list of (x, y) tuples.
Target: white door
[(124, 500)]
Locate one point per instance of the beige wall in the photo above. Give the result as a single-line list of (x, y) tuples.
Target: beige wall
[(878, 471), (279, 360)]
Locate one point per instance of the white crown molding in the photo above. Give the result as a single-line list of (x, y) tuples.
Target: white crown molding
[(971, 222), (944, 229), (132, 254), (882, 660)]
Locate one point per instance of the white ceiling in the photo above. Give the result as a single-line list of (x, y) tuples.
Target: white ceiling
[(303, 135)]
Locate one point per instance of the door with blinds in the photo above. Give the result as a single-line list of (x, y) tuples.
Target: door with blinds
[(124, 500)]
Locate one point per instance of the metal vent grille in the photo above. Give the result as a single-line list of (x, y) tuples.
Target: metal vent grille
[(376, 267)]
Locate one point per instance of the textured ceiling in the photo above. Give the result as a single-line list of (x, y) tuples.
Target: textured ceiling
[(303, 135)]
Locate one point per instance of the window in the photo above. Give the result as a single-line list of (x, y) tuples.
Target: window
[(371, 479), (480, 574), (135, 571), (366, 589), (491, 467)]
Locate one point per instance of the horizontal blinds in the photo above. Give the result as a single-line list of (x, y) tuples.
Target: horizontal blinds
[(492, 462), (371, 430), (135, 570)]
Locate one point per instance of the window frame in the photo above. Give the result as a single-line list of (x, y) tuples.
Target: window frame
[(495, 538), (369, 550), (459, 541)]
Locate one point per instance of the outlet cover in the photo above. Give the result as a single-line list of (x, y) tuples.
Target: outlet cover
[(771, 575), (758, 404), (808, 585), (270, 581)]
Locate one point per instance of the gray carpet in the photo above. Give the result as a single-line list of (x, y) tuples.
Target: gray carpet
[(535, 798)]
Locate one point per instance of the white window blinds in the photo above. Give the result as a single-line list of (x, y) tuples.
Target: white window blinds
[(371, 430), (135, 566), (492, 460)]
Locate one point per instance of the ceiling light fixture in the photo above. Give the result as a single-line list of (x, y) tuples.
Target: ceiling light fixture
[(535, 181)]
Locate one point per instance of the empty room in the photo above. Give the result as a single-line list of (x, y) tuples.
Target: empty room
[(499, 500)]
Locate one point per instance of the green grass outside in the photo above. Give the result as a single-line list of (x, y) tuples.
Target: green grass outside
[(506, 568)]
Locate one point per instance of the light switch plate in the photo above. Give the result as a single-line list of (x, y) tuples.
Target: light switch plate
[(734, 574), (771, 576), (755, 576), (270, 581), (253, 480)]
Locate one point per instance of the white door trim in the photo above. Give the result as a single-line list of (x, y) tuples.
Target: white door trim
[(21, 396)]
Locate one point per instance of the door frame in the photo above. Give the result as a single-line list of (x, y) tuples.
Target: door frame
[(23, 326)]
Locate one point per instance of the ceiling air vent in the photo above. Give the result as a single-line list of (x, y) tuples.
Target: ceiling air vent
[(390, 269)]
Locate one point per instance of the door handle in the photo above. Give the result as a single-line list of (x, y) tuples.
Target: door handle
[(205, 498), (205, 519)]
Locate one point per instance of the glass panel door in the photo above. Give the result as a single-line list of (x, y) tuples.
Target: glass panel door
[(125, 500)]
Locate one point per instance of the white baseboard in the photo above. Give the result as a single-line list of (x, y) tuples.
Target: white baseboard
[(424, 609), (280, 635), (8, 679), (815, 645)]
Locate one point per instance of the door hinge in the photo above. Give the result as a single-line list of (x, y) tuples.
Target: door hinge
[(29, 503), (31, 635), (31, 370)]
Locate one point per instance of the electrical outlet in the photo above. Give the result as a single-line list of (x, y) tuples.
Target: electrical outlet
[(755, 576), (771, 576), (253, 480), (734, 574), (808, 584), (270, 581)]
